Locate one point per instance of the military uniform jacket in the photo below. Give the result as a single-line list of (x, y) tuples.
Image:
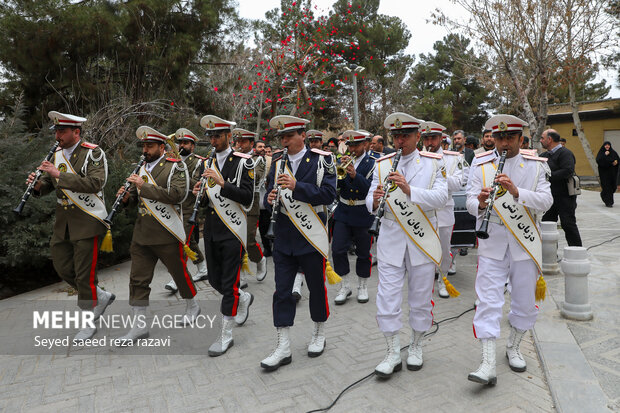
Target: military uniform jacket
[(172, 187), (356, 189), (89, 178), (429, 190), (531, 178), (455, 168), (192, 162), (237, 188), (288, 239)]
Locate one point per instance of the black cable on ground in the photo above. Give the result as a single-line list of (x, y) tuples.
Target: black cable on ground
[(604, 242), (435, 323)]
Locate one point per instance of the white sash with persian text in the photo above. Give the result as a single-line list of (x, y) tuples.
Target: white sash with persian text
[(305, 218), (166, 214), (229, 211), (411, 218), (92, 204), (516, 218)]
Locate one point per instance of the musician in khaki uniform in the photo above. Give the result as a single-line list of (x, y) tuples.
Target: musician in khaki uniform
[(159, 188), (78, 168), (186, 141), (513, 248)]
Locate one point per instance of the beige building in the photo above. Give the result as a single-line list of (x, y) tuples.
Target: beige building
[(600, 120)]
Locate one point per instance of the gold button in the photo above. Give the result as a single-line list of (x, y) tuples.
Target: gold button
[(65, 208)]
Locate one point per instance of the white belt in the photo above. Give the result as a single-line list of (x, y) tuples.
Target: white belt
[(64, 202), (353, 202), (388, 214)]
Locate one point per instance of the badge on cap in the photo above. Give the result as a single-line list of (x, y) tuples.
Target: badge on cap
[(502, 126), (210, 124), (398, 123), (56, 121), (280, 125), (145, 135)]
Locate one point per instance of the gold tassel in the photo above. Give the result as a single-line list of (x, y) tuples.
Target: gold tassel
[(541, 289), (189, 253), (245, 264), (331, 275), (106, 244), (450, 288)]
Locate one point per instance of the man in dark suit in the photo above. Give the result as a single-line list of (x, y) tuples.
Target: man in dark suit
[(561, 161), (458, 145)]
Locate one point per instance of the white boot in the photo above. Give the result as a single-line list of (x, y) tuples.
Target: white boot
[(344, 292), (261, 269), (104, 299), (139, 328), (486, 371), (362, 290), (452, 269), (242, 282), (392, 361), (243, 309), (414, 357), (192, 310), (299, 280), (282, 353), (513, 353), (441, 288), (171, 286), (317, 343), (86, 332), (202, 273), (225, 340)]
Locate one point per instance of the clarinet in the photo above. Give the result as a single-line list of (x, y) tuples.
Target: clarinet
[(484, 226), (374, 228), (276, 203), (203, 181), (119, 199), (18, 209)]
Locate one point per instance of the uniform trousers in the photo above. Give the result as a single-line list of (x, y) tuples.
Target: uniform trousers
[(343, 235), (76, 263), (490, 281), (194, 237), (224, 260), (420, 282), (564, 207), (445, 236), (284, 304), (263, 225), (143, 261)]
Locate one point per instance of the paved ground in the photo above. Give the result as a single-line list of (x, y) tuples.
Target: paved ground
[(234, 382)]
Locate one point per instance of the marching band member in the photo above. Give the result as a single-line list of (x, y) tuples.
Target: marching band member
[(513, 249), (159, 189), (187, 143), (417, 189), (263, 221), (77, 173), (352, 219), (432, 133), (307, 183), (228, 193)]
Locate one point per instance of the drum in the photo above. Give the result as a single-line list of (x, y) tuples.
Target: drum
[(464, 232)]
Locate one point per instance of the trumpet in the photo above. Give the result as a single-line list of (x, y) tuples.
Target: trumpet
[(276, 203), (341, 170), (174, 151), (203, 181), (18, 209), (119, 199), (374, 228), (484, 226)]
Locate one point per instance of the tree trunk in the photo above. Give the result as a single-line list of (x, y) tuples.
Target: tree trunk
[(527, 108), (259, 117), (582, 136)]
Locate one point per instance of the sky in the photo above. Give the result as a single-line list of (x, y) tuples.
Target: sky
[(414, 14)]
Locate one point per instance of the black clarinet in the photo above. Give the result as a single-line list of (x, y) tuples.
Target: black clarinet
[(374, 228), (18, 209), (276, 203), (119, 199), (203, 181), (484, 226)]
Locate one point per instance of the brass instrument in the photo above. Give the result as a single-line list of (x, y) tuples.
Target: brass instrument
[(173, 146), (484, 226), (18, 209), (341, 170), (374, 228), (276, 203)]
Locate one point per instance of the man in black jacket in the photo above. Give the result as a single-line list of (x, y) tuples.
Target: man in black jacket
[(561, 161)]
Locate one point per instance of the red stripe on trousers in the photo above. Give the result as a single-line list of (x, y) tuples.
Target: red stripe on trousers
[(236, 284), (93, 268), (325, 290), (370, 270), (189, 282), (259, 250), (473, 326)]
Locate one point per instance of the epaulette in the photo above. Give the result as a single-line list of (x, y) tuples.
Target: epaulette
[(242, 155), (202, 158), (173, 160), (454, 153), (530, 152), (89, 145), (535, 158), (481, 154), (386, 157), (431, 154), (320, 152)]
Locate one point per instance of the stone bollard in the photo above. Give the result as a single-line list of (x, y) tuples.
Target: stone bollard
[(549, 235), (576, 267)]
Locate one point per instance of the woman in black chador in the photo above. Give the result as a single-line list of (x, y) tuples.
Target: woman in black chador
[(607, 160)]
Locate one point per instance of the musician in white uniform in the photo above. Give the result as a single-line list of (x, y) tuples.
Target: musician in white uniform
[(513, 249), (408, 245)]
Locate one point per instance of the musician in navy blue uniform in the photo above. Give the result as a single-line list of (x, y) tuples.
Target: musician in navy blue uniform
[(307, 185), (352, 219)]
